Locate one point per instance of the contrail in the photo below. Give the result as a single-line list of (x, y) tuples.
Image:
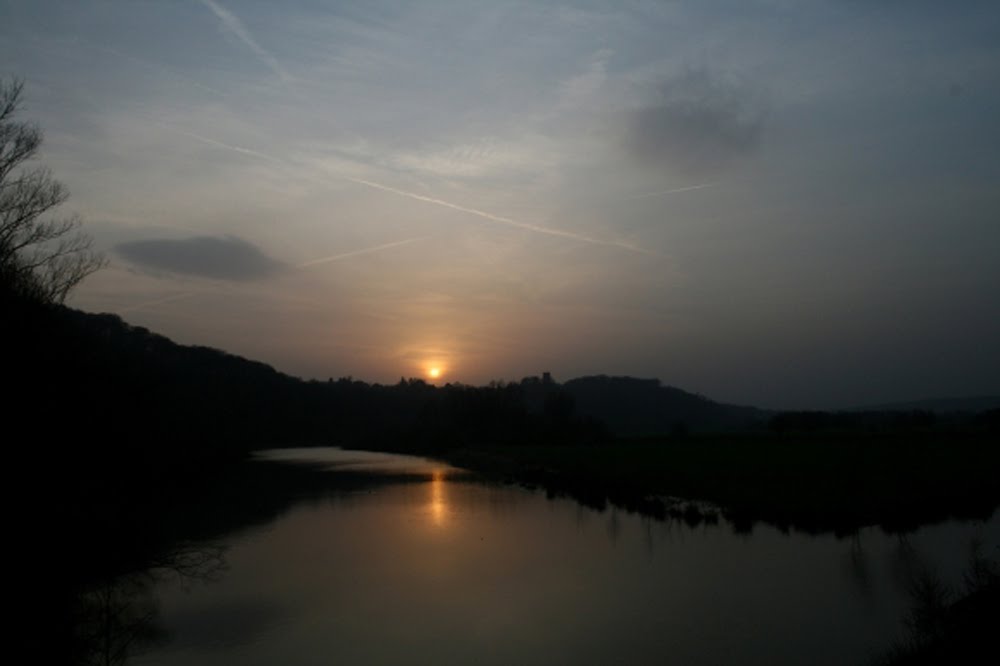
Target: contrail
[(355, 253), (673, 191), (498, 218), (219, 144), (168, 299), (439, 202), (235, 26)]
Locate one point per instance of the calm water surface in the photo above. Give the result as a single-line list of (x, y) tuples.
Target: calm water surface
[(433, 567)]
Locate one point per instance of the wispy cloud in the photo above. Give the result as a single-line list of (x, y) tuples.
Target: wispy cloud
[(701, 122), (159, 301), (500, 219), (233, 24), (583, 88), (156, 66), (355, 253)]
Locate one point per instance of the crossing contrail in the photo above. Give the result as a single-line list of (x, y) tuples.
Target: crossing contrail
[(355, 253), (234, 25), (219, 144), (673, 191), (499, 218)]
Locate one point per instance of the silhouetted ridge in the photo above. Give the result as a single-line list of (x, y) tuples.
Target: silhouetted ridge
[(968, 405), (631, 406), (136, 393)]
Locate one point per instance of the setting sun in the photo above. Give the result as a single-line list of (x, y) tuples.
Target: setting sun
[(434, 372)]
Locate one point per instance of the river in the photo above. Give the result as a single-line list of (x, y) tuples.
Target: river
[(419, 562)]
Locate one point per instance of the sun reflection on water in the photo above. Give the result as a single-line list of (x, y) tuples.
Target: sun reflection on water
[(439, 510)]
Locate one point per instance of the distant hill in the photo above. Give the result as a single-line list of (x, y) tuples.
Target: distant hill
[(970, 405), (635, 407)]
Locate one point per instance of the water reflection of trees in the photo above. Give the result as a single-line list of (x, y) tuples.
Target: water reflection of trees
[(118, 617), (115, 618), (859, 567), (112, 606), (947, 623)]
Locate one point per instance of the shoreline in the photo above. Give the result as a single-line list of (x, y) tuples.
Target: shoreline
[(811, 485)]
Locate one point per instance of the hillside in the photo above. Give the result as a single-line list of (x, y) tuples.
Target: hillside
[(635, 407)]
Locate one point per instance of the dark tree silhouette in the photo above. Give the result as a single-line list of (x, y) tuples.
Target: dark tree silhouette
[(40, 257)]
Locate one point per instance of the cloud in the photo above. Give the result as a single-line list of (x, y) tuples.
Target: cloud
[(158, 301), (227, 258), (582, 88), (699, 124)]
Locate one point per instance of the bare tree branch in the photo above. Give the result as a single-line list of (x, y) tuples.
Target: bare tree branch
[(39, 258)]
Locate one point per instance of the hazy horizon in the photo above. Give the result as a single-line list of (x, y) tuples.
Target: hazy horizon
[(788, 205)]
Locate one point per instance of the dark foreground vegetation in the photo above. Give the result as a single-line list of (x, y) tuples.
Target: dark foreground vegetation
[(949, 626)]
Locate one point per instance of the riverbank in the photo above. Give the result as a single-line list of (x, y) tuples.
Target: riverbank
[(815, 484)]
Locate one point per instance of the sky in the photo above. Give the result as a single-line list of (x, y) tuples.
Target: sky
[(784, 204)]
